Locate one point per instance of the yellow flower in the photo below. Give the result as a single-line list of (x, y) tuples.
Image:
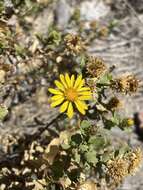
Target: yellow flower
[(70, 92)]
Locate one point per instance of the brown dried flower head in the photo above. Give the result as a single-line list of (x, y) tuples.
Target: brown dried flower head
[(103, 32), (96, 67), (117, 169), (93, 24), (74, 44), (114, 103), (135, 159), (126, 84), (3, 27)]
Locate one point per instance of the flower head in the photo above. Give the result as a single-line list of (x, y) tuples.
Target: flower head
[(117, 169), (70, 92), (126, 84), (95, 67), (135, 158), (74, 44), (114, 103)]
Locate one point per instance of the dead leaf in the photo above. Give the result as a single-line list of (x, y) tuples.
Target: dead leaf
[(65, 182), (2, 76), (52, 150), (87, 185)]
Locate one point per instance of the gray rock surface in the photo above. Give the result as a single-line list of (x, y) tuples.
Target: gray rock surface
[(62, 13)]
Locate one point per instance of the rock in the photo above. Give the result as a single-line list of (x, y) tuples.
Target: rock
[(43, 21), (137, 5), (62, 14), (93, 10)]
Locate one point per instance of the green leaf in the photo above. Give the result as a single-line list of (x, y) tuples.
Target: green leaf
[(54, 37), (114, 121), (77, 157), (105, 79), (98, 142), (85, 124), (3, 112), (121, 151), (83, 148), (109, 124), (65, 146), (115, 118), (113, 24), (82, 61), (76, 139), (106, 156), (91, 157), (76, 15), (20, 50), (58, 169)]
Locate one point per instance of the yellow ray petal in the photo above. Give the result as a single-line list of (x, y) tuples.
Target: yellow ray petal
[(68, 80), (84, 97), (57, 102), (70, 110), (78, 80), (85, 93), (84, 104), (80, 84), (83, 89), (56, 97), (62, 78), (64, 106), (54, 91), (72, 80), (80, 106), (59, 85)]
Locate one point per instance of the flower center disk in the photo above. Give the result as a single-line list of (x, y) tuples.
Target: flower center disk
[(71, 94)]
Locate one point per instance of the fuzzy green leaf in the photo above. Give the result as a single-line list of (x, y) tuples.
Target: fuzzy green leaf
[(91, 157), (105, 79), (3, 112), (83, 148), (97, 142), (85, 124), (76, 139)]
